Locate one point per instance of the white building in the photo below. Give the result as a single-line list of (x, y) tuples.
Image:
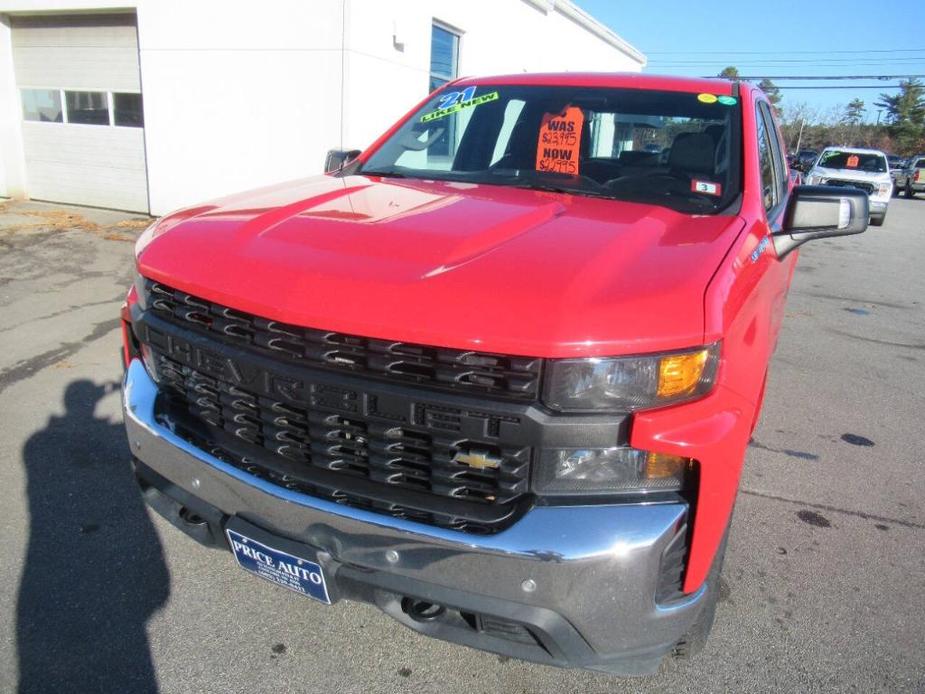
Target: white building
[(150, 105)]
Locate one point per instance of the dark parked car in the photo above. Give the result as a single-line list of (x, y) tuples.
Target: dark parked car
[(803, 160)]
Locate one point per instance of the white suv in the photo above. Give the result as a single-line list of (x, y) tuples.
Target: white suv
[(866, 169)]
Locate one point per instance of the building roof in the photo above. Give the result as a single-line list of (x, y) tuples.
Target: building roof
[(588, 22)]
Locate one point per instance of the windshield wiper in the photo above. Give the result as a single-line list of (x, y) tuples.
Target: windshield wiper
[(419, 174), (669, 199), (524, 178), (560, 189), (385, 173)]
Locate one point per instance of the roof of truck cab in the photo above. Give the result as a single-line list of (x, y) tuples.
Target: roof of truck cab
[(630, 80)]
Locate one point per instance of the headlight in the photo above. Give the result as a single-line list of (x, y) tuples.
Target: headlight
[(626, 384), (140, 292), (884, 188), (147, 356), (149, 360), (608, 470)]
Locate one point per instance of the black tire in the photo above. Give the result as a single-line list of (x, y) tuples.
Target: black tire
[(909, 192), (695, 639), (895, 191), (878, 221)]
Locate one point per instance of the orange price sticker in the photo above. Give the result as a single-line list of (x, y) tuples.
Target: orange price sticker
[(559, 142), (853, 161)]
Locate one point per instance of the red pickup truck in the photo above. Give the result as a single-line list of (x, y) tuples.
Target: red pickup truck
[(497, 373)]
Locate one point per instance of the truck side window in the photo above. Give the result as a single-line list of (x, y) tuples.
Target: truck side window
[(780, 162), (766, 162)]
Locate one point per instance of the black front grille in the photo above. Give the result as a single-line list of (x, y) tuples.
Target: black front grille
[(498, 375), (409, 470), (860, 185)]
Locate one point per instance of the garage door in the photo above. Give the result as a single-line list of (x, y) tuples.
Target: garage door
[(83, 124)]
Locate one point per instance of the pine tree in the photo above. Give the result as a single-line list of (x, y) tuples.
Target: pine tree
[(905, 115), (854, 112), (772, 90)]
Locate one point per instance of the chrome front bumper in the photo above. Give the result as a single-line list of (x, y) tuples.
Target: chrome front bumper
[(595, 567)]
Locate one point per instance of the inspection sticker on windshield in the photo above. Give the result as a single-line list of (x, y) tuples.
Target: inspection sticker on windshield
[(706, 187), (559, 141), (453, 102), (283, 569)]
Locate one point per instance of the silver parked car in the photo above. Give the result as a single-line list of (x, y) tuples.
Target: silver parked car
[(866, 169), (911, 177)]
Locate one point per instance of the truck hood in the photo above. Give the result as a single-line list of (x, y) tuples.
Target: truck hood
[(468, 266), (852, 174)]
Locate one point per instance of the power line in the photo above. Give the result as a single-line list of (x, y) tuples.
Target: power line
[(787, 61), (842, 86), (824, 77), (777, 52), (812, 59)]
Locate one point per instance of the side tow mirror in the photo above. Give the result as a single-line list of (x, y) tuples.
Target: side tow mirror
[(337, 159), (816, 212)]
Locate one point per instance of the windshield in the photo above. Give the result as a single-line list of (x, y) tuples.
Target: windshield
[(680, 150), (871, 163)]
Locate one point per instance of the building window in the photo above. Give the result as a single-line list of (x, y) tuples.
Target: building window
[(127, 111), (85, 108), (444, 56), (88, 108), (42, 105)]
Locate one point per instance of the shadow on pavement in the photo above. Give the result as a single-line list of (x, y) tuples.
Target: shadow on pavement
[(94, 571)]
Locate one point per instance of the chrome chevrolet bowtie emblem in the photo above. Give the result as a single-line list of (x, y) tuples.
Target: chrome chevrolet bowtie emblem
[(478, 459)]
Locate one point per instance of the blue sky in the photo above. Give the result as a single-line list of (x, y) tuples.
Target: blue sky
[(814, 37)]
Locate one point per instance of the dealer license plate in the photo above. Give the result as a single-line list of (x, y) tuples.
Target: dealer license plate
[(274, 565)]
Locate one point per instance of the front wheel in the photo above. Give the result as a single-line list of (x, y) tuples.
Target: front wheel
[(909, 192), (877, 221)]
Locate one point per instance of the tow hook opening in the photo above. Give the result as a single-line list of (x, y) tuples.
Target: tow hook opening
[(190, 517), (421, 610)]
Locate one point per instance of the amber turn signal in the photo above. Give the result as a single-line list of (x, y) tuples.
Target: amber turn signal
[(662, 466), (679, 374)]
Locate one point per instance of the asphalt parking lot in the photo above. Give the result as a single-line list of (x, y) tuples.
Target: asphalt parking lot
[(824, 584)]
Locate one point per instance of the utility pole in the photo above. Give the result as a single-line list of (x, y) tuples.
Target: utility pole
[(800, 136)]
